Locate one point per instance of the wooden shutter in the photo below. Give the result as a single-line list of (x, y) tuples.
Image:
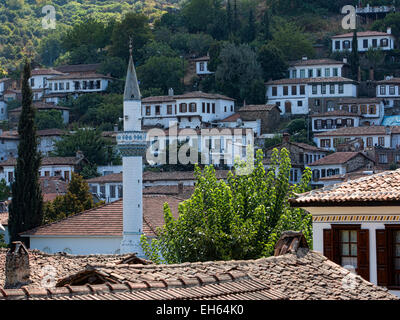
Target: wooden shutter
[(328, 244), (363, 254), (382, 257)]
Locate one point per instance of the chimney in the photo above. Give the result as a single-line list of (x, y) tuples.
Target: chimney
[(286, 137), (17, 266), (291, 242), (171, 92), (180, 188), (344, 60), (304, 58), (389, 30), (371, 74)]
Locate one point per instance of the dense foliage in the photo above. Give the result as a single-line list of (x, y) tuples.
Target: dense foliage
[(26, 207), (238, 219), (77, 199)]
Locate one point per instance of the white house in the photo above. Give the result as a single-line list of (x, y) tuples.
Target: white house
[(369, 137), (50, 167), (202, 65), (366, 40), (356, 224), (317, 68), (293, 96), (389, 90), (39, 81), (189, 110), (40, 106), (338, 163), (332, 120)]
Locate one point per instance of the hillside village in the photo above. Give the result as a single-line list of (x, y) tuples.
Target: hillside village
[(318, 130)]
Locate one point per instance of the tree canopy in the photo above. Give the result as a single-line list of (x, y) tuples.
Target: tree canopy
[(238, 219)]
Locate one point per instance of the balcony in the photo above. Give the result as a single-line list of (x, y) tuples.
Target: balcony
[(131, 137)]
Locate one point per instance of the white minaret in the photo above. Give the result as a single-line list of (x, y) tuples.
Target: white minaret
[(132, 144)]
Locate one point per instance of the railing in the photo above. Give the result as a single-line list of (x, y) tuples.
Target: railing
[(131, 137)]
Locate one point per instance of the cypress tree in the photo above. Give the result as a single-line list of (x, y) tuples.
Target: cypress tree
[(266, 26), (251, 28), (354, 58), (229, 17), (26, 207), (235, 26)]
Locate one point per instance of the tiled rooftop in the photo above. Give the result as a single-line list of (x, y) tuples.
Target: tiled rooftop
[(46, 161), (335, 113), (310, 80), (314, 62), (362, 34), (188, 95), (376, 189), (258, 107), (360, 131), (337, 158), (106, 220)]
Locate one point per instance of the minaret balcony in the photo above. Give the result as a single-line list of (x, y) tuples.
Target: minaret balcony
[(131, 137)]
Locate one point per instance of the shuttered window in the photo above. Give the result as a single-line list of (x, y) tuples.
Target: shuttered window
[(348, 245)]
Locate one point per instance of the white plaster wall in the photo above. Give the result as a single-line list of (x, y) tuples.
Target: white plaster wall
[(360, 41), (77, 245), (323, 67)]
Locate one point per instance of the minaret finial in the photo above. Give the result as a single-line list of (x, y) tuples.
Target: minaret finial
[(130, 45)]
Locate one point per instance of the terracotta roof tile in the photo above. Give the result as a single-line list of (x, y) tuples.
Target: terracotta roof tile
[(106, 220), (188, 95), (337, 158), (374, 189), (360, 131), (78, 68), (313, 62), (363, 34), (311, 80), (46, 161), (335, 113), (233, 118), (40, 72), (258, 107)]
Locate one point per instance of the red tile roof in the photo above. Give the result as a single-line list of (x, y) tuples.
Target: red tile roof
[(108, 178), (378, 189), (258, 107), (188, 95), (360, 131), (106, 220), (389, 81), (337, 158), (80, 76), (363, 34), (40, 72), (335, 113), (46, 161), (72, 68), (42, 106), (204, 58), (233, 118)]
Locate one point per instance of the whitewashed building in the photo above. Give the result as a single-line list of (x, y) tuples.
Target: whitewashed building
[(389, 91), (356, 224), (366, 40), (189, 110), (202, 65), (318, 68)]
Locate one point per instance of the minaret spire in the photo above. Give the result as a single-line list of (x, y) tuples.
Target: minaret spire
[(132, 91)]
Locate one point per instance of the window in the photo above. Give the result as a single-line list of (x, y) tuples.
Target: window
[(84, 85), (192, 107), (302, 73), (329, 124), (325, 143), (77, 85), (323, 89), (274, 91), (51, 86), (294, 74), (294, 90), (318, 124), (302, 90), (391, 90), (213, 108), (299, 103), (371, 109), (383, 158), (66, 175), (310, 73), (93, 189), (350, 122), (348, 247), (319, 73), (363, 109), (314, 89), (201, 66), (148, 110), (382, 90), (169, 109), (157, 110), (346, 44), (56, 86), (332, 89), (203, 107), (336, 141), (98, 84), (91, 85), (67, 86), (335, 72), (11, 177), (285, 90), (32, 82), (337, 45), (327, 72), (317, 102), (120, 191), (374, 43), (103, 191), (341, 88), (381, 141), (384, 42), (365, 43), (208, 107), (183, 107), (354, 109), (112, 191), (369, 142)]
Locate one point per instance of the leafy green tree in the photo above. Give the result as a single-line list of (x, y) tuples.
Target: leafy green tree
[(271, 142), (89, 171), (198, 14), (250, 29), (49, 120), (26, 207), (392, 20), (2, 242), (375, 57), (114, 66), (132, 25), (237, 71), (291, 41), (239, 219), (266, 25), (272, 62), (90, 142), (161, 72), (77, 199)]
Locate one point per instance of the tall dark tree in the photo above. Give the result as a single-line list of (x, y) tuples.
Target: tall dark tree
[(267, 26), (26, 207), (235, 26), (229, 17), (354, 57), (250, 30)]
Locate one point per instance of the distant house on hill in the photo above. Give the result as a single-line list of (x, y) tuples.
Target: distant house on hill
[(13, 115)]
